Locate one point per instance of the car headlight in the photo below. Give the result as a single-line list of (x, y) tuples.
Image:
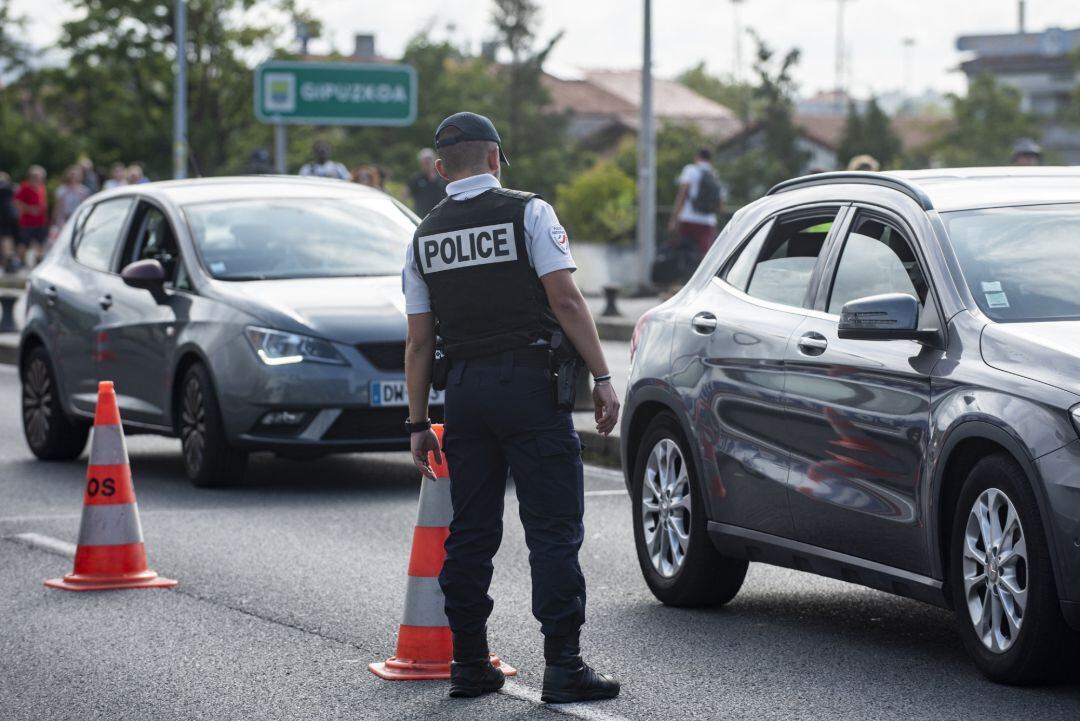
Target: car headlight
[(277, 348)]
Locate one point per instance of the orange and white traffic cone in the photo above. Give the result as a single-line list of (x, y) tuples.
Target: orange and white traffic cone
[(425, 646), (110, 553)]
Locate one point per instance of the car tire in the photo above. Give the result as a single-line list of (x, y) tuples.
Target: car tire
[(666, 494), (51, 435), (209, 460), (1017, 575)]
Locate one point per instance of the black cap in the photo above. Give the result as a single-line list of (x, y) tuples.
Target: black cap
[(472, 127)]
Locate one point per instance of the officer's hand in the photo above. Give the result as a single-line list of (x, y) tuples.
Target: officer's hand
[(421, 444), (607, 407)]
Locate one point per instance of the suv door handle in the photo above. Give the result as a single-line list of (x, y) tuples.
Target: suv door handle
[(51, 294), (813, 344), (703, 323), (105, 301)]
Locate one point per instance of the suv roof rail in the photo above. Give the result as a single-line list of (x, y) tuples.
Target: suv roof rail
[(853, 176)]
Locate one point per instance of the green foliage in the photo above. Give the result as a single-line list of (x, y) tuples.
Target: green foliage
[(14, 52), (776, 91), (740, 97), (870, 133), (676, 144), (598, 205), (988, 121)]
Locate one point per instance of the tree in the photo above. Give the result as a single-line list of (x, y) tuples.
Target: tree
[(114, 96), (776, 90), (870, 133), (988, 121), (598, 205), (735, 95), (14, 52)]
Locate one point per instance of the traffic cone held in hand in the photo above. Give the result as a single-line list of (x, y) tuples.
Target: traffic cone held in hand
[(425, 646), (110, 552)]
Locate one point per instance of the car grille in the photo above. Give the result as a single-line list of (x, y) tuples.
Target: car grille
[(384, 356), (372, 423)]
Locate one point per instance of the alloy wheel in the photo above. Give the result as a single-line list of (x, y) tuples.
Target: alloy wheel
[(665, 507), (193, 425), (37, 402), (995, 570)]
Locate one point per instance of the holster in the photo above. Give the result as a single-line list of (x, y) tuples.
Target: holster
[(565, 363), (440, 367)]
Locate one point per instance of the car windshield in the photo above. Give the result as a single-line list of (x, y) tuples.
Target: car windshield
[(300, 237), (1020, 263)]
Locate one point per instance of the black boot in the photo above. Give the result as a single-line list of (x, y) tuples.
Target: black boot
[(568, 679), (471, 672)]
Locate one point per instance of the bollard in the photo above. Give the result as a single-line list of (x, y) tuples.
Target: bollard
[(611, 292), (7, 314)]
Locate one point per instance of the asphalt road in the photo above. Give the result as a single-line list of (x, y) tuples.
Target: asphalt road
[(293, 581)]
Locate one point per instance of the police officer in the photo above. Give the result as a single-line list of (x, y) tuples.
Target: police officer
[(489, 271)]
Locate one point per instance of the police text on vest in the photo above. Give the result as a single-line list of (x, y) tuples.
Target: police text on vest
[(464, 248)]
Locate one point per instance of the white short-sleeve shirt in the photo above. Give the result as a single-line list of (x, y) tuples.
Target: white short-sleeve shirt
[(691, 175), (545, 240)]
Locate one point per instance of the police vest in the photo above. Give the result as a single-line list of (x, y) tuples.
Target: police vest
[(484, 293)]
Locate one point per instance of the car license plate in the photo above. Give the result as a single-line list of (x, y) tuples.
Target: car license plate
[(394, 393)]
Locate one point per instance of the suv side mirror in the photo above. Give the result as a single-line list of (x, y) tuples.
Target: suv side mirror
[(146, 274), (890, 316)]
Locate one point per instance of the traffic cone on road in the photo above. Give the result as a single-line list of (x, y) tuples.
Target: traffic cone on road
[(110, 553), (425, 646)]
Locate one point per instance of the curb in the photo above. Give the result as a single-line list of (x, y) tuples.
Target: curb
[(614, 328), (9, 350)]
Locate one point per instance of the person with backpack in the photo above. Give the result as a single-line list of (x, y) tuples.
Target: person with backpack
[(700, 198)]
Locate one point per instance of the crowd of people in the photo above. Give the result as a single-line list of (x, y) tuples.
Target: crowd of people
[(29, 221), (424, 190)]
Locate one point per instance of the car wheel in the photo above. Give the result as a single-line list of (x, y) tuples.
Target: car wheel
[(680, 564), (1004, 595), (51, 435), (208, 458)]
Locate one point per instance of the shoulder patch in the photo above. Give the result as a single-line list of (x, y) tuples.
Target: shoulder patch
[(560, 239)]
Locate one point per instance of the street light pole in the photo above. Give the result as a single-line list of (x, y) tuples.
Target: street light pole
[(180, 149), (646, 230)]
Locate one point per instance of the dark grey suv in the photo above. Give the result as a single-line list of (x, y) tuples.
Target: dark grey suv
[(875, 377)]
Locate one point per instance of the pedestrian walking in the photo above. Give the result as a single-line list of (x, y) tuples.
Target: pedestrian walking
[(117, 176), (427, 187), (698, 201), (489, 273), (323, 166), (69, 196), (9, 223), (32, 202)]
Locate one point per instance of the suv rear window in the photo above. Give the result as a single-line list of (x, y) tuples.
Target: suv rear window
[(777, 262)]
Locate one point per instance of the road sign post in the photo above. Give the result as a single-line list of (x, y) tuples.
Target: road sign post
[(306, 93)]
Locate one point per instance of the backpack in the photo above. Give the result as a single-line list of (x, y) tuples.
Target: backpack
[(708, 195)]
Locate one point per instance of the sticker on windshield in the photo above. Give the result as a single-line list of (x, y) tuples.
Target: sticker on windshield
[(217, 267), (997, 300), (991, 286)]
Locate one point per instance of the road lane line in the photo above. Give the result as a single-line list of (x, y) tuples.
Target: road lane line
[(45, 543), (520, 691), (608, 492)]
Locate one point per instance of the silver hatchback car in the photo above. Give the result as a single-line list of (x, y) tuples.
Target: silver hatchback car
[(876, 377), (239, 314)]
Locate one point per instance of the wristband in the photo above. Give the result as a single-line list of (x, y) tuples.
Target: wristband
[(417, 426), (602, 379)]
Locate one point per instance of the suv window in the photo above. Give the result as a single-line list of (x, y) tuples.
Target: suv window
[(876, 259), (777, 262), (154, 239), (100, 233)]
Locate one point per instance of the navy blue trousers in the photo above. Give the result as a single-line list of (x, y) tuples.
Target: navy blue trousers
[(501, 417)]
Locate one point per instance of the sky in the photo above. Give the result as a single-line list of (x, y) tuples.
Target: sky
[(607, 33)]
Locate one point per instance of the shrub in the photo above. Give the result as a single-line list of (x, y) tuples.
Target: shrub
[(598, 205)]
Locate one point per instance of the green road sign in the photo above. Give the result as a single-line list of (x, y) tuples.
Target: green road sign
[(335, 93)]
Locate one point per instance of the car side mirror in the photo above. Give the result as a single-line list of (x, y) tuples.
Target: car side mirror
[(147, 274), (890, 316)]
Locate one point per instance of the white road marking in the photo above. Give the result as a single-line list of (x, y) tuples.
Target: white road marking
[(608, 492), (589, 712), (45, 543), (607, 474)]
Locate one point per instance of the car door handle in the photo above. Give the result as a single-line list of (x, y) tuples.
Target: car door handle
[(51, 294), (105, 301), (703, 323), (813, 344)]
